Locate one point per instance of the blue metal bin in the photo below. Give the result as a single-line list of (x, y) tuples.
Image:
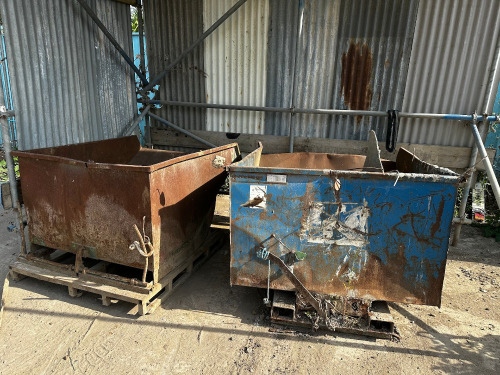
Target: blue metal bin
[(342, 230)]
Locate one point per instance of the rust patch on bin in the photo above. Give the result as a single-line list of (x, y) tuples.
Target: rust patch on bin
[(356, 77)]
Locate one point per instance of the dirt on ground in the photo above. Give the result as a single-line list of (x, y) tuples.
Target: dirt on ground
[(209, 327)]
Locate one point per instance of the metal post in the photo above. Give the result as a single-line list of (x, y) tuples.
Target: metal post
[(292, 136), (113, 41), (130, 129), (149, 142), (11, 173), (465, 194), (212, 28), (487, 164), (181, 130), (492, 84)]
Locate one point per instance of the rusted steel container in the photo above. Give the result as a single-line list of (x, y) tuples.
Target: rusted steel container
[(343, 231), (87, 197)]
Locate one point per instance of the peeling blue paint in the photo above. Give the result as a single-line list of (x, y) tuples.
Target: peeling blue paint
[(370, 239)]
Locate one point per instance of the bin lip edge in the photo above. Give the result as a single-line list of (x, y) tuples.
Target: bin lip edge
[(115, 166), (395, 176)]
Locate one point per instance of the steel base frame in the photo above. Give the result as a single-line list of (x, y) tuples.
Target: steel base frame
[(377, 322)]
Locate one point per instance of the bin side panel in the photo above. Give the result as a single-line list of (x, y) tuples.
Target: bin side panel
[(361, 237), (183, 201), (70, 206)]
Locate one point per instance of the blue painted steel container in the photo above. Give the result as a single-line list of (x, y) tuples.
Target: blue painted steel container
[(366, 235)]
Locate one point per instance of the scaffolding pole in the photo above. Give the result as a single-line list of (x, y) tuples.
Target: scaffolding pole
[(181, 130), (131, 128), (478, 147), (7, 147), (316, 111)]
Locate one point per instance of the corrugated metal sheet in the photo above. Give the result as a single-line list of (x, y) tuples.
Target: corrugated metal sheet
[(351, 55), (284, 18), (69, 84), (453, 50), (316, 65), (171, 27), (377, 34), (411, 55), (235, 64)]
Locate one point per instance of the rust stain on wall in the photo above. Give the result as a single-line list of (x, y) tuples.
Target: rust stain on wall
[(356, 76)]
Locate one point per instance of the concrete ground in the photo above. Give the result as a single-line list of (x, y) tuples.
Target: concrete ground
[(208, 327)]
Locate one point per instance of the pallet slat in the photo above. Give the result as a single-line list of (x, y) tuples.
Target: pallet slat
[(146, 301)]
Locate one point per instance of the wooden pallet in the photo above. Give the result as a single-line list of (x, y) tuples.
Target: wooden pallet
[(107, 286)]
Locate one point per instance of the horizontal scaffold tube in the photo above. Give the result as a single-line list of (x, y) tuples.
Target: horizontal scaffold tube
[(339, 112)]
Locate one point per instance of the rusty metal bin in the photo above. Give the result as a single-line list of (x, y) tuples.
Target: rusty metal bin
[(86, 198), (341, 231)]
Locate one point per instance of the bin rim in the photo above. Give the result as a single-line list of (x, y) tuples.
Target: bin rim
[(33, 154), (240, 168), (394, 176)]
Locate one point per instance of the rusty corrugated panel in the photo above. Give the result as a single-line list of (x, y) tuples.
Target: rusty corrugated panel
[(235, 61), (171, 27), (350, 55), (88, 196), (375, 39), (455, 45), (69, 84)]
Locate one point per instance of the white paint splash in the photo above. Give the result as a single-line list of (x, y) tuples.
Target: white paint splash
[(346, 230)]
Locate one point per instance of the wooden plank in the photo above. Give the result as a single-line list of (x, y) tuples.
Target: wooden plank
[(41, 273), (456, 158), (145, 300)]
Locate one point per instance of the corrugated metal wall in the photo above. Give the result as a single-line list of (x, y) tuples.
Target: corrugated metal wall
[(69, 84), (235, 64), (171, 27), (373, 54), (453, 50), (5, 87), (284, 18), (416, 56), (350, 55)]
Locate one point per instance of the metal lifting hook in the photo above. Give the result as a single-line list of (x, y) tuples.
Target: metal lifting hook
[(143, 247)]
